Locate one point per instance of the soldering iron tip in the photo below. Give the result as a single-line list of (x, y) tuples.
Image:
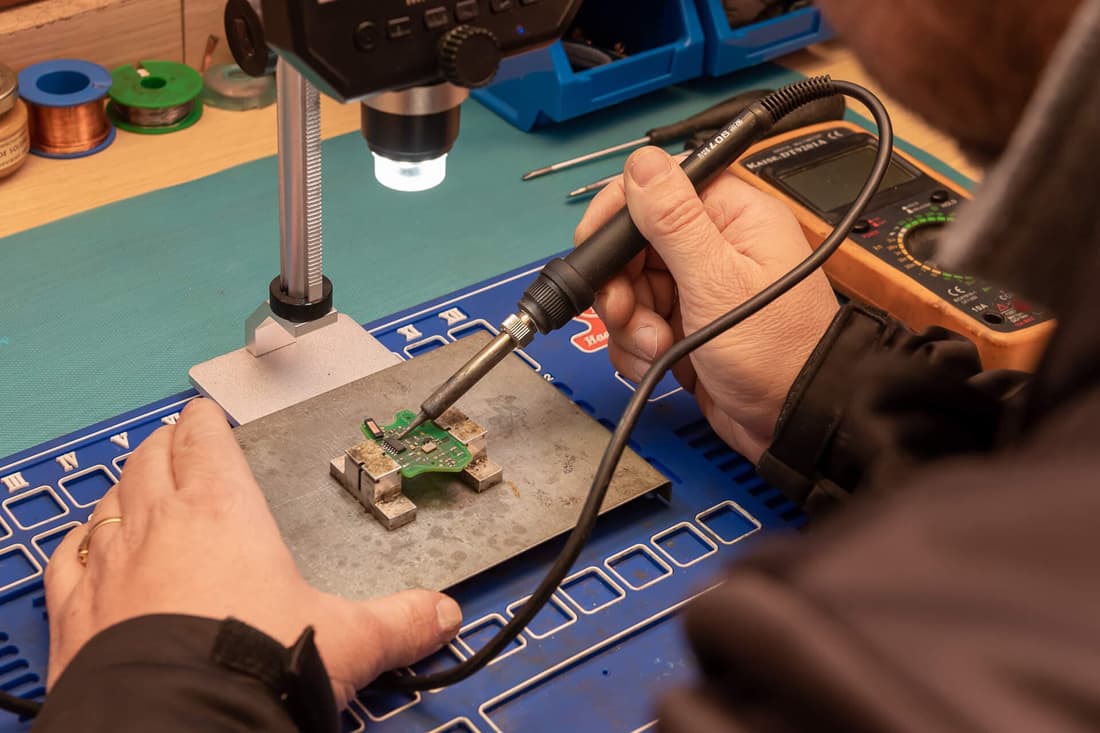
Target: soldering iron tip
[(420, 420)]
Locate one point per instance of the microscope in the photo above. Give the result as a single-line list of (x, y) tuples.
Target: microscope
[(411, 65)]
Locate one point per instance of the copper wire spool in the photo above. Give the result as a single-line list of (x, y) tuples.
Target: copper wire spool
[(68, 130), (65, 105)]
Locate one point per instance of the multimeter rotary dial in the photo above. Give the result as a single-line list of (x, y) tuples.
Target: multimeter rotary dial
[(915, 240)]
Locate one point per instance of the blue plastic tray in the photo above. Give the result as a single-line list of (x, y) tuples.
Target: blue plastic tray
[(730, 49), (541, 87)]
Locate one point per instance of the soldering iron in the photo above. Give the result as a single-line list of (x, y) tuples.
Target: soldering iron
[(567, 286)]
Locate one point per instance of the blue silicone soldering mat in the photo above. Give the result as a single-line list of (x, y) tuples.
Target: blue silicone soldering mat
[(103, 313)]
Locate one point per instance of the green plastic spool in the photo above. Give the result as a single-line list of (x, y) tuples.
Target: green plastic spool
[(155, 85)]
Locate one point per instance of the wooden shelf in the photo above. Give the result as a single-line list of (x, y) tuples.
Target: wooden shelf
[(45, 190)]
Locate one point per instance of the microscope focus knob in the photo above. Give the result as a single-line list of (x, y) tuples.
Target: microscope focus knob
[(469, 56)]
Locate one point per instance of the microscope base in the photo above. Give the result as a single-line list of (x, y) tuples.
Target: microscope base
[(249, 387)]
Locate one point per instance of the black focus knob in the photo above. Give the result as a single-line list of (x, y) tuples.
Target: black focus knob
[(469, 56), (244, 30)]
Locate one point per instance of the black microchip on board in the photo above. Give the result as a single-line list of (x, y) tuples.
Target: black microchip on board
[(372, 427), (393, 445)]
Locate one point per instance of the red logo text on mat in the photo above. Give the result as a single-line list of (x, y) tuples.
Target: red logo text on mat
[(594, 337)]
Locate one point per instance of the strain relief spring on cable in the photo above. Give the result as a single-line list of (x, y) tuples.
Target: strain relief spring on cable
[(782, 102)]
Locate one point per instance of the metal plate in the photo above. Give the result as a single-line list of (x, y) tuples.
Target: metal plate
[(548, 447)]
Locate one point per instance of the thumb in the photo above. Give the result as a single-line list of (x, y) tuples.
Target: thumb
[(395, 631), (670, 215)]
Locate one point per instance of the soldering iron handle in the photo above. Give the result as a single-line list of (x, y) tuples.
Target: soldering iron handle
[(567, 287), (716, 117), (712, 118), (812, 113)]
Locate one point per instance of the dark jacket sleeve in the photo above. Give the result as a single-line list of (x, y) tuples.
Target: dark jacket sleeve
[(171, 673), (875, 399), (966, 601), (958, 596)]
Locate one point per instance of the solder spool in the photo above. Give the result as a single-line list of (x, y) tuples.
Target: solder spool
[(65, 105), (14, 138), (155, 97), (226, 86)]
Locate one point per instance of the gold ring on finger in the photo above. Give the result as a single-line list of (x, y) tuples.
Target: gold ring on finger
[(86, 543)]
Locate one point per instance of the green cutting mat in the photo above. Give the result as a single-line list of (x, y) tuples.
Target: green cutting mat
[(106, 311)]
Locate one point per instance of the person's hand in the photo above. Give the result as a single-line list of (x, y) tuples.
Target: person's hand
[(197, 538), (707, 256)]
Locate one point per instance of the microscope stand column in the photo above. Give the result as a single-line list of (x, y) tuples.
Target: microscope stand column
[(301, 297), (296, 345)]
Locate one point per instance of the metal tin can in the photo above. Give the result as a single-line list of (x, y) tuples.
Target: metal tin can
[(15, 142)]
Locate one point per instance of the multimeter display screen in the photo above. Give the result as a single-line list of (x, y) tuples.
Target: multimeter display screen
[(836, 182)]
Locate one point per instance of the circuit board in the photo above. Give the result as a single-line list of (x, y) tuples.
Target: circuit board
[(427, 449), (595, 659)]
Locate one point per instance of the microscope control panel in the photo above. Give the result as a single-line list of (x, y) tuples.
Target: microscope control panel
[(355, 48)]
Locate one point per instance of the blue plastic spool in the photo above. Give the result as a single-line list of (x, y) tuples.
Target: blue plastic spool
[(66, 83), (731, 49), (541, 87)]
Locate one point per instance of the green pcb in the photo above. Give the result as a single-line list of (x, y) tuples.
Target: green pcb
[(428, 449)]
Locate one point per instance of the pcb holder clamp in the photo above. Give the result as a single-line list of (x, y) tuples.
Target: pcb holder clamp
[(374, 477), (297, 345)]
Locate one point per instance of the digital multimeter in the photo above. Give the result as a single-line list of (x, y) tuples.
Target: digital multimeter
[(888, 260)]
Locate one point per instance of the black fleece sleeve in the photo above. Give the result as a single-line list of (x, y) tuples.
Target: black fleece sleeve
[(875, 398), (170, 673), (966, 601)]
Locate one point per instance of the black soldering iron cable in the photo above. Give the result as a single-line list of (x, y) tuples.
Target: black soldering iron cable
[(586, 522), (619, 439), (19, 705)]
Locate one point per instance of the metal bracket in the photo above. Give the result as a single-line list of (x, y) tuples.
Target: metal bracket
[(265, 332), (374, 478)]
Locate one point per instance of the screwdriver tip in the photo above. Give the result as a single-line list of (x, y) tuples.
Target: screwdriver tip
[(537, 173), (573, 195)]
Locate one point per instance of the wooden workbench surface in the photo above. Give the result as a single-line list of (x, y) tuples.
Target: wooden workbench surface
[(45, 190)]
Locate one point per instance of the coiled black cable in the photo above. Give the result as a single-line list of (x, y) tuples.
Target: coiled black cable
[(586, 522)]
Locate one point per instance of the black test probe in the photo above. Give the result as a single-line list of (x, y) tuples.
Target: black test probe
[(622, 241)]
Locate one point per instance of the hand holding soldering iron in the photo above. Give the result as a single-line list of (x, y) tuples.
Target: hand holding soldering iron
[(707, 253)]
